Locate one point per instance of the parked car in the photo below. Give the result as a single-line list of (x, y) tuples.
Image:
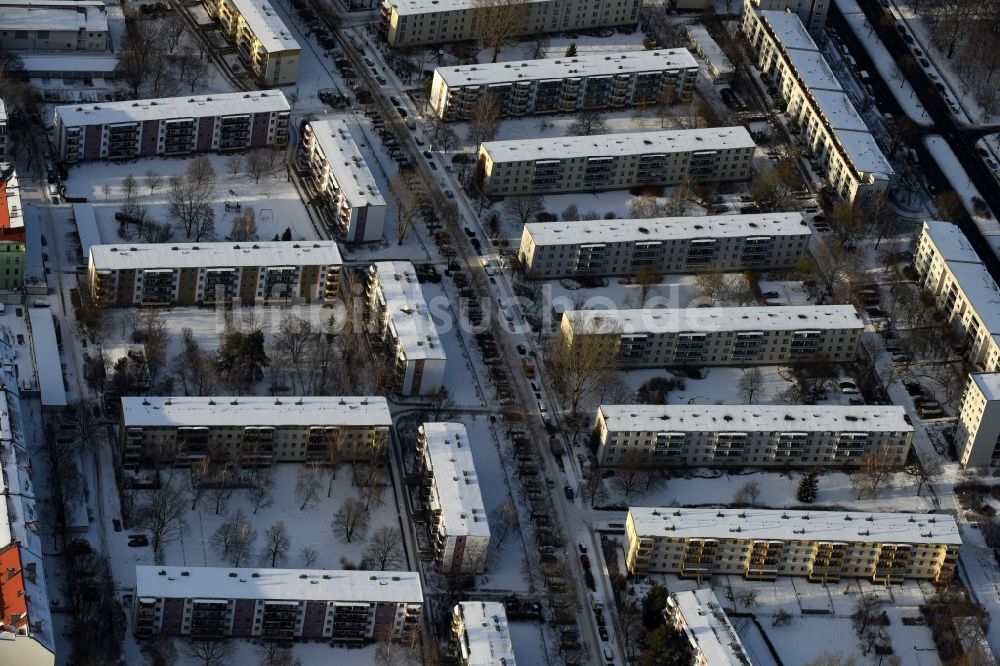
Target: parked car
[(848, 388), (603, 633)]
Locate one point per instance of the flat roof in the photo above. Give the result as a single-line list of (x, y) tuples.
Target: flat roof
[(813, 69), (709, 48), (41, 63), (86, 226), (410, 317), (43, 338), (124, 256), (85, 18), (487, 635), (598, 64), (666, 228), (626, 143), (787, 27), (346, 162), (253, 411), (267, 26), (838, 110), (988, 383), (459, 496), (407, 7), (786, 524), (950, 242), (707, 624), (189, 106), (668, 320), (864, 151), (980, 290), (277, 584), (755, 418)]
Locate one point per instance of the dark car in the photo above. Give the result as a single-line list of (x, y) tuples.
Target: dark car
[(138, 540), (395, 101), (603, 633), (521, 349), (568, 492), (381, 81), (585, 561)]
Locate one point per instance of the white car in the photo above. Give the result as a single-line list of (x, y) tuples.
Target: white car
[(849, 388)]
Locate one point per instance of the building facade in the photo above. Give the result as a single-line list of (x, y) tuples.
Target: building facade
[(450, 489), (13, 239), (53, 25), (700, 41), (417, 22), (657, 338), (701, 618), (977, 436), (480, 635), (249, 273), (353, 207), (812, 13), (566, 85), (171, 126), (751, 435), (264, 43), (614, 161), (276, 604), (400, 328), (763, 544), (255, 430), (666, 245), (3, 132)]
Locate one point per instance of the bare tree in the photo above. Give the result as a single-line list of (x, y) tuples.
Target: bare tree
[(234, 164), (244, 226), (351, 520), (244, 537), (276, 654), (750, 383), (875, 468), (261, 488), (406, 193), (647, 277), (163, 512), (276, 544), (578, 367), (748, 494), (194, 368), (172, 28), (827, 658), (924, 473), (152, 180), (190, 195), (224, 536), (257, 164), (588, 122), (384, 550), (503, 523), (129, 186), (308, 556), (307, 485), (484, 119), (210, 651), (495, 22), (747, 596), (151, 331), (524, 208)]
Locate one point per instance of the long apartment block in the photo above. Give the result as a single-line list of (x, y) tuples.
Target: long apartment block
[(265, 45), (963, 289), (276, 604), (764, 544), (657, 338), (751, 435), (253, 429), (615, 161), (713, 639), (565, 85), (171, 126), (250, 273), (416, 22), (400, 328), (812, 13), (480, 635), (450, 491), (339, 175), (832, 128), (53, 25), (665, 244), (977, 436)]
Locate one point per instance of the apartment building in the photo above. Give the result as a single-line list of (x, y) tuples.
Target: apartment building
[(417, 22), (451, 493), (400, 328), (751, 435), (963, 289), (276, 604), (3, 132), (812, 13), (336, 171), (480, 635), (171, 126), (763, 544), (615, 161), (247, 273), (565, 85), (831, 127), (265, 45), (701, 618), (53, 25), (656, 338), (666, 244), (13, 239), (700, 41), (254, 429), (977, 437)]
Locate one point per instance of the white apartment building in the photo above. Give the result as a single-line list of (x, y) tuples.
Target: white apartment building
[(763, 544), (565, 85), (265, 430), (833, 130), (399, 325), (712, 638), (656, 338), (977, 437), (416, 22), (751, 435), (951, 272), (451, 492), (699, 41), (264, 43), (615, 161), (812, 13), (53, 25), (480, 635), (666, 244), (3, 132), (338, 173)]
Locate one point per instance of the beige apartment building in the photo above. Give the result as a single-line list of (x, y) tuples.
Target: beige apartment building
[(615, 161), (977, 437), (248, 273), (480, 635), (812, 13), (656, 338), (565, 85), (713, 639), (666, 244), (763, 544), (260, 430), (265, 45), (751, 435)]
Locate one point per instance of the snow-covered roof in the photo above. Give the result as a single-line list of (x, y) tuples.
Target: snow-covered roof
[(709, 48), (50, 376), (486, 639), (277, 584), (988, 383), (670, 320), (347, 164), (448, 455), (813, 69), (410, 317), (787, 27), (845, 526), (624, 143), (54, 18), (252, 411), (406, 7), (191, 106), (266, 26), (666, 228), (838, 110), (125, 256), (598, 64), (755, 418), (707, 626), (86, 226), (39, 64), (864, 152), (950, 242), (980, 290)]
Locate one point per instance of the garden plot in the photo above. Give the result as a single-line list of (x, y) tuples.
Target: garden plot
[(675, 291), (718, 385)]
